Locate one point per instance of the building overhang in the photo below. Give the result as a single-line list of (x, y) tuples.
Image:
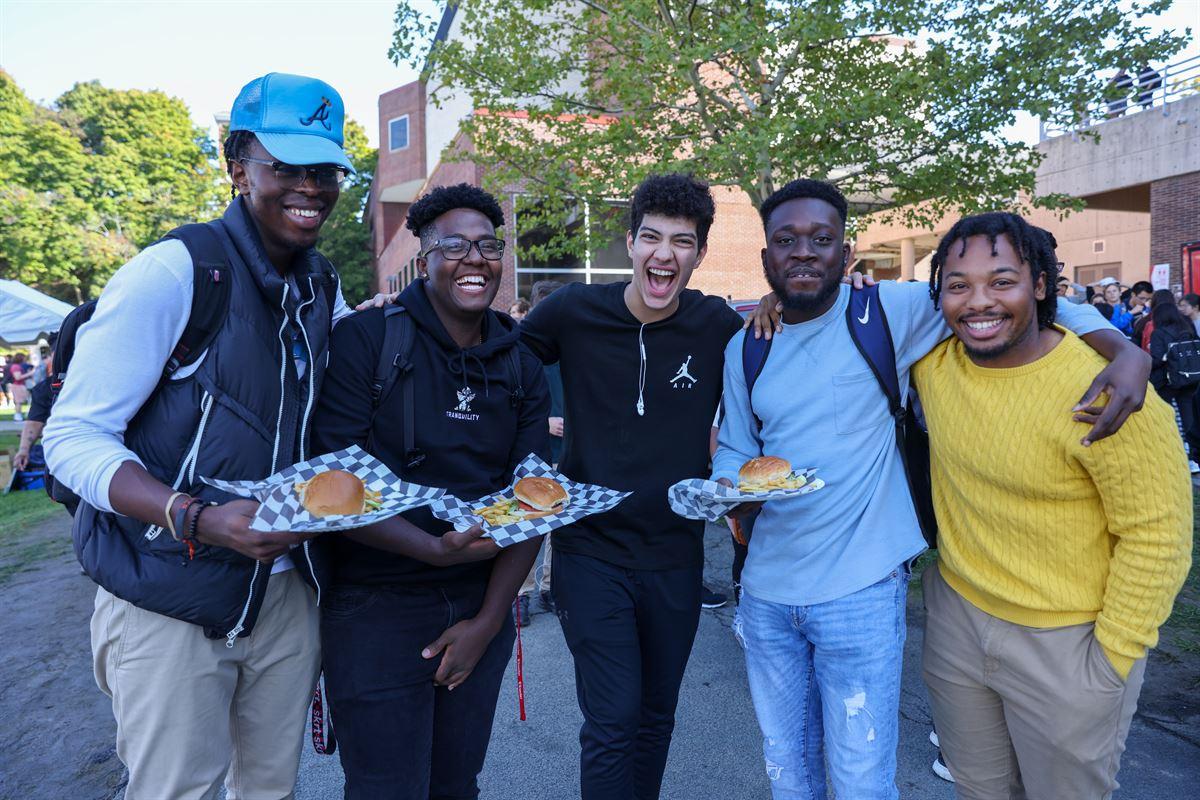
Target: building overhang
[(405, 192)]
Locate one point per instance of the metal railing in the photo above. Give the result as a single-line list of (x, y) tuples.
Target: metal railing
[(1144, 89)]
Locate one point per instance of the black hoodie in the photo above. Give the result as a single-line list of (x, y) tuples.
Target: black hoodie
[(468, 425), (610, 364)]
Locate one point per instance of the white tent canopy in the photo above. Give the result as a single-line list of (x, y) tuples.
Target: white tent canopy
[(26, 314)]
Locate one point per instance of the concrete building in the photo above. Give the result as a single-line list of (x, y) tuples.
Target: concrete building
[(1139, 176)]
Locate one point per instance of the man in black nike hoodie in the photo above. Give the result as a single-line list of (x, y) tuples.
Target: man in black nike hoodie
[(416, 620)]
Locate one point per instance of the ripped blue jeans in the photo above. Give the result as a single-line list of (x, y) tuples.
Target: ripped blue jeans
[(825, 680)]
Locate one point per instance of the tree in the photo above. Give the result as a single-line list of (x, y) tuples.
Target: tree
[(86, 184), (898, 102), (345, 238)]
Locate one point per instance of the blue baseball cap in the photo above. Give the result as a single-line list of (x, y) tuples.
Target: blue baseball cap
[(297, 119)]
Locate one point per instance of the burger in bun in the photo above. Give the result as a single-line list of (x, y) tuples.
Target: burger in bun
[(765, 473), (336, 492), (540, 497)]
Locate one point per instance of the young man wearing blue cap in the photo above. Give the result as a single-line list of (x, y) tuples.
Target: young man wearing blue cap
[(204, 634)]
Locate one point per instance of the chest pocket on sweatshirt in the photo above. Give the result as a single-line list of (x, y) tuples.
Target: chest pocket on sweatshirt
[(859, 403)]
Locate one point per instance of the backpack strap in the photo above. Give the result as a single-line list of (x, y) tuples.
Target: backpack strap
[(330, 284), (395, 364), (754, 358), (210, 294), (514, 369), (873, 338), (64, 348)]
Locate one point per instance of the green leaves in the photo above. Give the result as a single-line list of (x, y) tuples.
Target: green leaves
[(85, 185), (345, 237), (899, 102)]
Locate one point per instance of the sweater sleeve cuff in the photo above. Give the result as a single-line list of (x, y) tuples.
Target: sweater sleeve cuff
[(1122, 664)]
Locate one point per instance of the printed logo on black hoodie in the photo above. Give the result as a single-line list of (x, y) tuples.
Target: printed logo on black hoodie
[(463, 409)]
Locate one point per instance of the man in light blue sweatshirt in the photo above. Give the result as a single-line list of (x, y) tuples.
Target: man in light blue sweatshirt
[(822, 615)]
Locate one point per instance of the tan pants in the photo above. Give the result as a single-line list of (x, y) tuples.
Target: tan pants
[(1035, 713), (191, 711), (539, 574)]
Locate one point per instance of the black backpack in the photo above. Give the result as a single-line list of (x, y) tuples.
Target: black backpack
[(210, 305), (1183, 363), (395, 364), (873, 338)]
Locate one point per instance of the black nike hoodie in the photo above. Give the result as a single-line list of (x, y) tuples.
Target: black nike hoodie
[(470, 423)]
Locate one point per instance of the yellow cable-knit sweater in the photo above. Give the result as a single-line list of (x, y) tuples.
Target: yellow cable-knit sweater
[(1035, 528)]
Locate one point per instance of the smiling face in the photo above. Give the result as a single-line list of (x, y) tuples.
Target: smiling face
[(990, 300), (288, 220), (463, 288), (805, 256), (664, 251)]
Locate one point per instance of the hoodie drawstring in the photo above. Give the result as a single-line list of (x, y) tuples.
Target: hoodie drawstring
[(641, 405), (459, 367)]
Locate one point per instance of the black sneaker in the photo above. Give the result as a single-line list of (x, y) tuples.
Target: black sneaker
[(711, 599), (521, 610), (548, 602)]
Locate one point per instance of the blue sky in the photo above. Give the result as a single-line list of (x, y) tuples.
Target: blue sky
[(203, 52)]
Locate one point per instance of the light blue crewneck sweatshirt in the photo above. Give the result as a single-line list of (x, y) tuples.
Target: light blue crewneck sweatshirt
[(821, 407)]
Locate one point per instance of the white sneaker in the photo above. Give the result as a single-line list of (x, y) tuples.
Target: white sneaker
[(18, 418), (1194, 467), (941, 770), (933, 739)]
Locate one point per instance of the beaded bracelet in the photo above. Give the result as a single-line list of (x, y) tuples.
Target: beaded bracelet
[(193, 526)]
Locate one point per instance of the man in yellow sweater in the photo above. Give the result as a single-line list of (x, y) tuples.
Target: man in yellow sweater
[(1058, 561)]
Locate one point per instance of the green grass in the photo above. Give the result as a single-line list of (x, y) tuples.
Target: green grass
[(19, 551), (6, 413), (1183, 627)]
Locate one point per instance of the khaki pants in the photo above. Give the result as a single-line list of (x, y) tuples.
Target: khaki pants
[(1020, 712), (539, 574), (191, 711)]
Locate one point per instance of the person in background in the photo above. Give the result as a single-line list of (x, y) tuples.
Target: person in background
[(519, 309), (1138, 301), (5, 392), (1058, 562), (39, 411), (539, 575), (1148, 80), (1120, 317), (1189, 306), (19, 372), (1071, 291), (1168, 326)]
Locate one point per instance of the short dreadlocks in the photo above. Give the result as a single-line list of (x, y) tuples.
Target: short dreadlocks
[(1034, 245)]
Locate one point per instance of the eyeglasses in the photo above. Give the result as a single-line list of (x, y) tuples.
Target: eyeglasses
[(456, 248), (327, 176)]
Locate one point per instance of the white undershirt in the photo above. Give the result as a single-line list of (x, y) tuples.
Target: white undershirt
[(119, 358)]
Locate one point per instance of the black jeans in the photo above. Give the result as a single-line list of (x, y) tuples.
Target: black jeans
[(631, 632), (1183, 400), (400, 736)]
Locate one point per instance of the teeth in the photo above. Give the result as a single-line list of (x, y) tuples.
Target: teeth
[(303, 212), (661, 273), (984, 326), (471, 280)]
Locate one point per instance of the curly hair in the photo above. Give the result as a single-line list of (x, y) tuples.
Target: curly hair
[(237, 147), (801, 188), (1034, 246), (432, 205), (677, 196)]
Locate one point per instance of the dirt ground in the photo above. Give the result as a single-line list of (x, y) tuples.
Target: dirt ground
[(59, 737)]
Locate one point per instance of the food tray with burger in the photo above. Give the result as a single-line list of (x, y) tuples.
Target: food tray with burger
[(538, 501), (760, 479), (334, 492)]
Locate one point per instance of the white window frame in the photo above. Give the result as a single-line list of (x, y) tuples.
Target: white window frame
[(407, 133), (586, 268)]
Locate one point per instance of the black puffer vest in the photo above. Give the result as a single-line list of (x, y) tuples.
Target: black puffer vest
[(241, 415)]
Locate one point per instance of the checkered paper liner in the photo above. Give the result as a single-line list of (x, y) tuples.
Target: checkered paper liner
[(280, 508), (585, 499), (697, 498)]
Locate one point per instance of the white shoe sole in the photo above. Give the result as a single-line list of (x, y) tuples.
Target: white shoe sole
[(933, 739), (942, 771)]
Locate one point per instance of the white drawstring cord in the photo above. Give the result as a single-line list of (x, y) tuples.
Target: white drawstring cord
[(641, 405)]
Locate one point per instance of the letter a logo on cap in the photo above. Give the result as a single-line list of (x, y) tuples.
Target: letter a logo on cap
[(321, 115)]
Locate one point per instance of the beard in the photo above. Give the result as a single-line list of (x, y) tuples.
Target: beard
[(803, 301)]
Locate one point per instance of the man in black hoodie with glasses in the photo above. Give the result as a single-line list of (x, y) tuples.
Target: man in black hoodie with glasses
[(416, 624)]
